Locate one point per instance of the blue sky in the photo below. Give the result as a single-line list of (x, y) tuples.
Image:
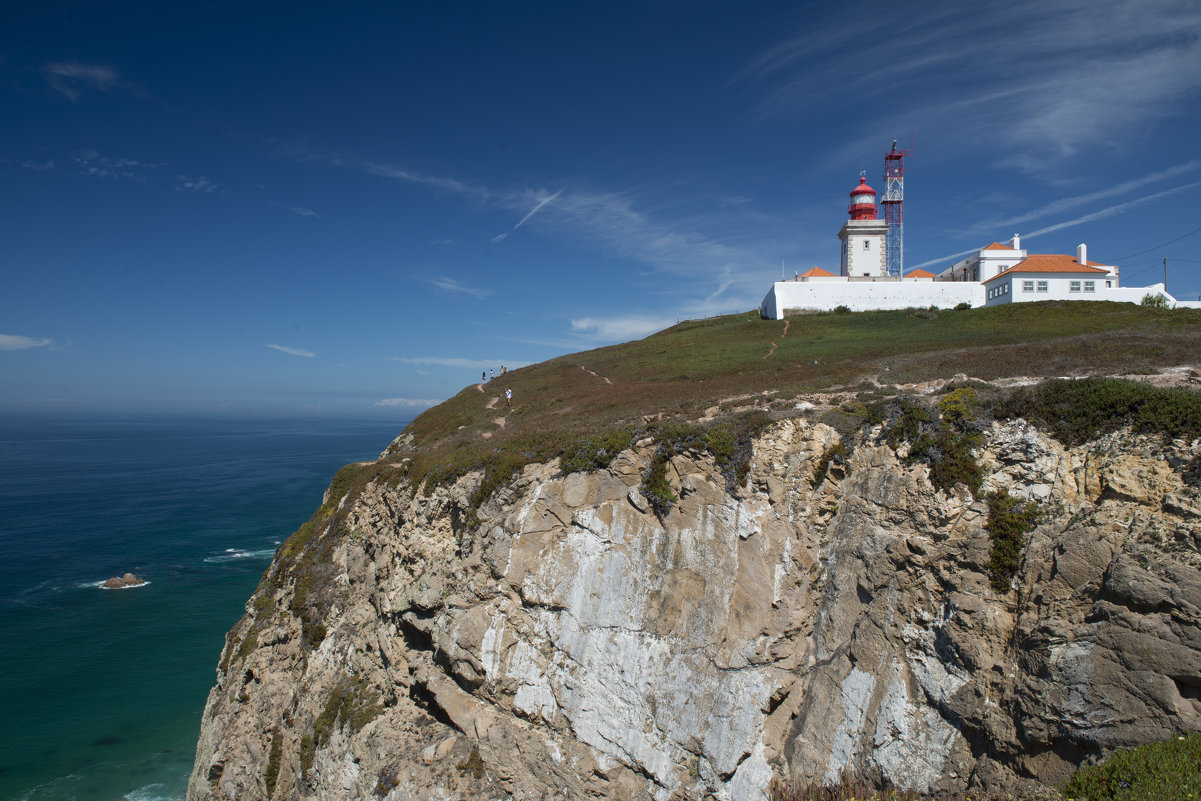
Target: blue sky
[(288, 208)]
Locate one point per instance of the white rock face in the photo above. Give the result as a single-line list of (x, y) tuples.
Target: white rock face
[(573, 642)]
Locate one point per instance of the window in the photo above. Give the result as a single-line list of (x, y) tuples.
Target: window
[(1074, 286), (1042, 286), (1108, 284), (1090, 286), (867, 245), (1027, 286), (1004, 289)]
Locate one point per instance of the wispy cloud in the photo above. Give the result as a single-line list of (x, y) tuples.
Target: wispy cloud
[(1033, 82), (620, 328), (1109, 211), (38, 166), (408, 402), (18, 342), (303, 212), (1113, 210), (201, 184), (725, 265), (451, 285), (293, 351), (455, 361), (68, 78), (89, 162), (990, 227)]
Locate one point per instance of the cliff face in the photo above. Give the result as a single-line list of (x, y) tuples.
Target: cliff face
[(574, 644)]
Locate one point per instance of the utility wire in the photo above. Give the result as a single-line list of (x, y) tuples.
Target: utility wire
[(1157, 247)]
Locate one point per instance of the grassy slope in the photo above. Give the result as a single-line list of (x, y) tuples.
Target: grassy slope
[(680, 372)]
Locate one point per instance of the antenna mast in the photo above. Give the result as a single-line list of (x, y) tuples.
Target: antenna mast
[(893, 205)]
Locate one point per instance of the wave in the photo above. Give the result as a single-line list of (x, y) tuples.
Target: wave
[(234, 554), (151, 792)]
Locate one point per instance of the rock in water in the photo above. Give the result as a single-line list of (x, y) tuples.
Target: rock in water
[(123, 582)]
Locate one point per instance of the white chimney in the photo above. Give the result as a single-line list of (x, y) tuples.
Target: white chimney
[(1082, 254), (1016, 242)]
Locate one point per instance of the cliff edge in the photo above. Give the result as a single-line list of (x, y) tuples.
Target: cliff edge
[(571, 642)]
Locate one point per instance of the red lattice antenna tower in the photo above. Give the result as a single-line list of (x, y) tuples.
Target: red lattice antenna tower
[(893, 206)]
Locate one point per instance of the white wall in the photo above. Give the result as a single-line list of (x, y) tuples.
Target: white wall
[(867, 295), (1059, 288)]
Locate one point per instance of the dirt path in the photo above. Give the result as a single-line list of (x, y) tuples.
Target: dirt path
[(595, 375), (480, 387), (770, 352), (492, 403), (500, 421)]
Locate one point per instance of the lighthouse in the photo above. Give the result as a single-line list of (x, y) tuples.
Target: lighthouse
[(863, 235)]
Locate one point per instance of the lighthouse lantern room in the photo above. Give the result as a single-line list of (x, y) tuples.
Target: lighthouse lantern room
[(863, 236)]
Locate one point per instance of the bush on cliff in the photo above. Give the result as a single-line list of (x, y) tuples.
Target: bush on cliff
[(1075, 411), (1168, 771), (1009, 520)]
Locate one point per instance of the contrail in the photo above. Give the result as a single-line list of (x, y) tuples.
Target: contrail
[(534, 210)]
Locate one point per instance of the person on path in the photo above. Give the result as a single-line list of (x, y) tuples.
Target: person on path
[(491, 374), (509, 396), (483, 376)]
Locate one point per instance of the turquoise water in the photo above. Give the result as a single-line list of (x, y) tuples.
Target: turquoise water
[(101, 691)]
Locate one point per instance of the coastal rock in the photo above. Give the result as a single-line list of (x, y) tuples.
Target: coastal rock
[(569, 642), (123, 582)]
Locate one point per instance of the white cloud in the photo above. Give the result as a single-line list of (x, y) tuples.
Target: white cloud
[(1032, 82), (200, 184), (293, 351), (407, 402), (454, 361), (1101, 214), (303, 212), (620, 328), (18, 342), (452, 285), (66, 78), (1063, 204), (92, 163), (38, 166)]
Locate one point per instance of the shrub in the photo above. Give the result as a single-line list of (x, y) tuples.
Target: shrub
[(594, 453), (1164, 771), (835, 454), (1076, 411), (962, 305), (1009, 520), (655, 488), (1155, 301), (273, 758), (841, 309)]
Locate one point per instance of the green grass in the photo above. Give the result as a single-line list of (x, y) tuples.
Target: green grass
[(679, 373), (1168, 771)]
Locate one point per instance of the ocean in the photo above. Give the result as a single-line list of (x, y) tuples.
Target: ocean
[(101, 691)]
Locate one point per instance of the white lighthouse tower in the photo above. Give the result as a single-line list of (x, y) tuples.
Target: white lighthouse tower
[(863, 236)]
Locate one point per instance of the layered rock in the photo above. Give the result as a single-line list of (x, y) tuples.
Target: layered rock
[(574, 644)]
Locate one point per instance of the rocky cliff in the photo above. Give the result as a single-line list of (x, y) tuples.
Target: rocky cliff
[(565, 641)]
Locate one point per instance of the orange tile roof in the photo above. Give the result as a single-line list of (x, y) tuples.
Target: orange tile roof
[(1049, 263), (818, 272), (996, 246), (920, 274)]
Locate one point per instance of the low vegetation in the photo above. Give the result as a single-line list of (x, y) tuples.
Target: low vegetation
[(352, 704), (1009, 521), (1168, 771), (1084, 409)]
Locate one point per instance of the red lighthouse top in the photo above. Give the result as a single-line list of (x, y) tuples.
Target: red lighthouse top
[(863, 201)]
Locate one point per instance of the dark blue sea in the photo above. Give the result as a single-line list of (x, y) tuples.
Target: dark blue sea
[(101, 691)]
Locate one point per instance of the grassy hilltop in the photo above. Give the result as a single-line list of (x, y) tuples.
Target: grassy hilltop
[(684, 372)]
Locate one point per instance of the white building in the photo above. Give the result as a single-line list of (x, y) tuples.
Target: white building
[(997, 273)]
